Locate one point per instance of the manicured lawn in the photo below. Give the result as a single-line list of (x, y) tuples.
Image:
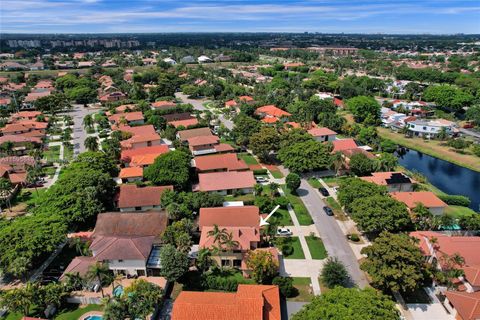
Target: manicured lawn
[(14, 316), (303, 287), (277, 174), (49, 171), (68, 153), (433, 148), (301, 211), (316, 247), (337, 209), (243, 197), (297, 249), (314, 183), (283, 217), (52, 154), (248, 158), (332, 181), (74, 314), (458, 211)]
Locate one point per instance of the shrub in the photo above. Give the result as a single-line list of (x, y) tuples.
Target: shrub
[(285, 285), (260, 172), (282, 202), (354, 237), (334, 273), (476, 150), (455, 200), (264, 203), (287, 249), (293, 181)]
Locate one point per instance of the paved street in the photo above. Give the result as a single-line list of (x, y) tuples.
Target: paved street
[(79, 133), (198, 105), (332, 236)]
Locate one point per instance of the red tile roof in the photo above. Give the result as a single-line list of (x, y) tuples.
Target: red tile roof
[(246, 216), (318, 132), (466, 304), (19, 138), (138, 130), (163, 105), (129, 116), (228, 162), (130, 224), (467, 247), (218, 181), (343, 144), (79, 265), (243, 235), (190, 133), (272, 111), (129, 143), (185, 123), (202, 140), (131, 196), (131, 172), (382, 178), (120, 248), (252, 302), (223, 147), (34, 96), (127, 155), (412, 199)]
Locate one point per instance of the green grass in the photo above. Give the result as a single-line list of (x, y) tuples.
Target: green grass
[(277, 174), (243, 197), (68, 153), (297, 249), (283, 217), (302, 284), (301, 211), (49, 171), (13, 316), (316, 247), (458, 211), (332, 181), (77, 313), (248, 158), (52, 154), (314, 183), (337, 209)]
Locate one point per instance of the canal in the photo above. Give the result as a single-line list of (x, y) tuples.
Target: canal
[(446, 176)]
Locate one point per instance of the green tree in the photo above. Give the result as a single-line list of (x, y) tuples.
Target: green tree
[(422, 217), (473, 114), (264, 142), (387, 162), (394, 262), (361, 165), (204, 259), (377, 213), (263, 265), (88, 121), (306, 156), (353, 188), (5, 190), (348, 304), (245, 127), (53, 104), (20, 300), (174, 263), (293, 181), (170, 168), (334, 273), (448, 96), (364, 109)]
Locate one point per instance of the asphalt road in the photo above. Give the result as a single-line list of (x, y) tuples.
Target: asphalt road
[(198, 105), (332, 236), (79, 134)]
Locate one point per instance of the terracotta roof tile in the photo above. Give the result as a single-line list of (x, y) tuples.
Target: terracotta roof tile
[(317, 132), (190, 133), (272, 111), (227, 162), (131, 172), (343, 144), (131, 196), (127, 155), (217, 181), (412, 199), (245, 216), (466, 304)]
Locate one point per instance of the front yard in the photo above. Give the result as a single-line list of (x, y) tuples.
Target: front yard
[(314, 183), (301, 211), (248, 158), (458, 211), (316, 247), (337, 209), (302, 284), (297, 253)]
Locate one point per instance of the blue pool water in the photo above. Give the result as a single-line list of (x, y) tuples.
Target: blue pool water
[(117, 292), (94, 318)]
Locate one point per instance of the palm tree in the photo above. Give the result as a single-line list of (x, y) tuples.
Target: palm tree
[(87, 121), (5, 190), (74, 281), (98, 272), (229, 243), (19, 267), (338, 161), (33, 174), (91, 143), (218, 234)]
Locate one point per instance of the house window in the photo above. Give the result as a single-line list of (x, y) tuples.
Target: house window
[(237, 263), (226, 263), (149, 143), (138, 208), (120, 261), (424, 128)]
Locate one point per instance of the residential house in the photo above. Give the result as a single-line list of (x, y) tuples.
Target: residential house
[(29, 101), (323, 134), (130, 118), (271, 114), (21, 143), (431, 128), (15, 168), (163, 105), (24, 115), (139, 156), (131, 174), (204, 59), (184, 135), (252, 302), (133, 198), (112, 96), (230, 182), (292, 65), (219, 162), (234, 104), (343, 144), (170, 61), (142, 136), (411, 199), (124, 241), (394, 181), (207, 144), (437, 247)]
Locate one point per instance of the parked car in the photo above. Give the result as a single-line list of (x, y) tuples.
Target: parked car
[(468, 125), (324, 192), (284, 232), (328, 211), (261, 179)]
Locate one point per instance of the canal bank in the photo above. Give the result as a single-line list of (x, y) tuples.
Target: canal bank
[(446, 176)]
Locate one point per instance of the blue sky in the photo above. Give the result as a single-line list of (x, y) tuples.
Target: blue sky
[(335, 16)]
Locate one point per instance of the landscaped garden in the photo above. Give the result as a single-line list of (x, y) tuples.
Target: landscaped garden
[(301, 211), (302, 284), (291, 247), (316, 247)]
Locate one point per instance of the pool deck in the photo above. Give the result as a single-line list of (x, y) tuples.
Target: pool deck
[(91, 313)]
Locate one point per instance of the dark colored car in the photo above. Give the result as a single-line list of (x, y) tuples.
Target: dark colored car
[(324, 192), (328, 211)]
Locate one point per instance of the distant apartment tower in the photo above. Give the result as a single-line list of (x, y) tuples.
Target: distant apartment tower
[(336, 51)]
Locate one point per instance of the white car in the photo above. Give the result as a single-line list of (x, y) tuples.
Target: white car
[(261, 179), (284, 232)]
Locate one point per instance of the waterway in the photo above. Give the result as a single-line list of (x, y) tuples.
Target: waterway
[(446, 176)]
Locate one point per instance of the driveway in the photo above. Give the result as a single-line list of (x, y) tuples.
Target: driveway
[(332, 236), (198, 105)]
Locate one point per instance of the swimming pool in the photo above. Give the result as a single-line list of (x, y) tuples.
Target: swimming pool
[(95, 317), (117, 291)]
